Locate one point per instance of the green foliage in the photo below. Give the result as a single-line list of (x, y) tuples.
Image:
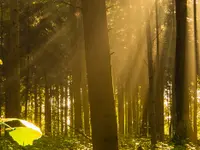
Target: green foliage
[(72, 143), (6, 144), (132, 144), (46, 143), (145, 144)]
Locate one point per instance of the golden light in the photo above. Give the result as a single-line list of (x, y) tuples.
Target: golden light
[(30, 125), (1, 62)]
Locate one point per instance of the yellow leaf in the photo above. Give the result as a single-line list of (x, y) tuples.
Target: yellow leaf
[(24, 135), (1, 62)]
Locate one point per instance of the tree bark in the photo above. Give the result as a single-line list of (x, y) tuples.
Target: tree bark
[(76, 83), (61, 108), (12, 70), (47, 108), (197, 68), (86, 108), (151, 101), (182, 102), (121, 109), (36, 102), (159, 83), (102, 104), (66, 107)]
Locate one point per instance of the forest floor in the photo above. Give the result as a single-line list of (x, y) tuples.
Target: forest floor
[(72, 143)]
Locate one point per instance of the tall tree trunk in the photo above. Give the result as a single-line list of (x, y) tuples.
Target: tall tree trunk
[(47, 108), (197, 68), (36, 102), (27, 89), (171, 60), (85, 95), (86, 109), (76, 82), (130, 112), (182, 101), (71, 106), (12, 65), (61, 108), (151, 101), (40, 106), (158, 86), (144, 125), (66, 106), (121, 109), (57, 111), (102, 104), (27, 78)]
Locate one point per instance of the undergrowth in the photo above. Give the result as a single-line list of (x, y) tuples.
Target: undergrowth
[(73, 143)]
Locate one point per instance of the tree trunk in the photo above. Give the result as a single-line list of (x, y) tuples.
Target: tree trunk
[(76, 81), (182, 102), (130, 112), (47, 108), (144, 125), (61, 108), (71, 106), (121, 109), (36, 102), (102, 104), (66, 107), (86, 109), (12, 84), (40, 107), (151, 101), (27, 89), (85, 95), (159, 83), (57, 107), (197, 69)]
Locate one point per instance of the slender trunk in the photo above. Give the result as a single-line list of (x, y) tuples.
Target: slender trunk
[(71, 108), (144, 116), (130, 117), (27, 64), (47, 108), (137, 111), (36, 103), (40, 107), (172, 70), (197, 69), (134, 111), (76, 81), (61, 108), (159, 83), (151, 101), (27, 90), (121, 110), (57, 111), (86, 109), (85, 95), (66, 108)]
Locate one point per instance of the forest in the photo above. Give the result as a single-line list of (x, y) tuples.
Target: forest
[(100, 74)]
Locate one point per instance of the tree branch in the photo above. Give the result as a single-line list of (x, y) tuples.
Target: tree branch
[(80, 132), (71, 5)]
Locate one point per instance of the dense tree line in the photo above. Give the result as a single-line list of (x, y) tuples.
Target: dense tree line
[(103, 69)]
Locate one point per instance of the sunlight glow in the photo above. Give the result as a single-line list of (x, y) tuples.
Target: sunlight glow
[(68, 121), (30, 125), (166, 103)]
